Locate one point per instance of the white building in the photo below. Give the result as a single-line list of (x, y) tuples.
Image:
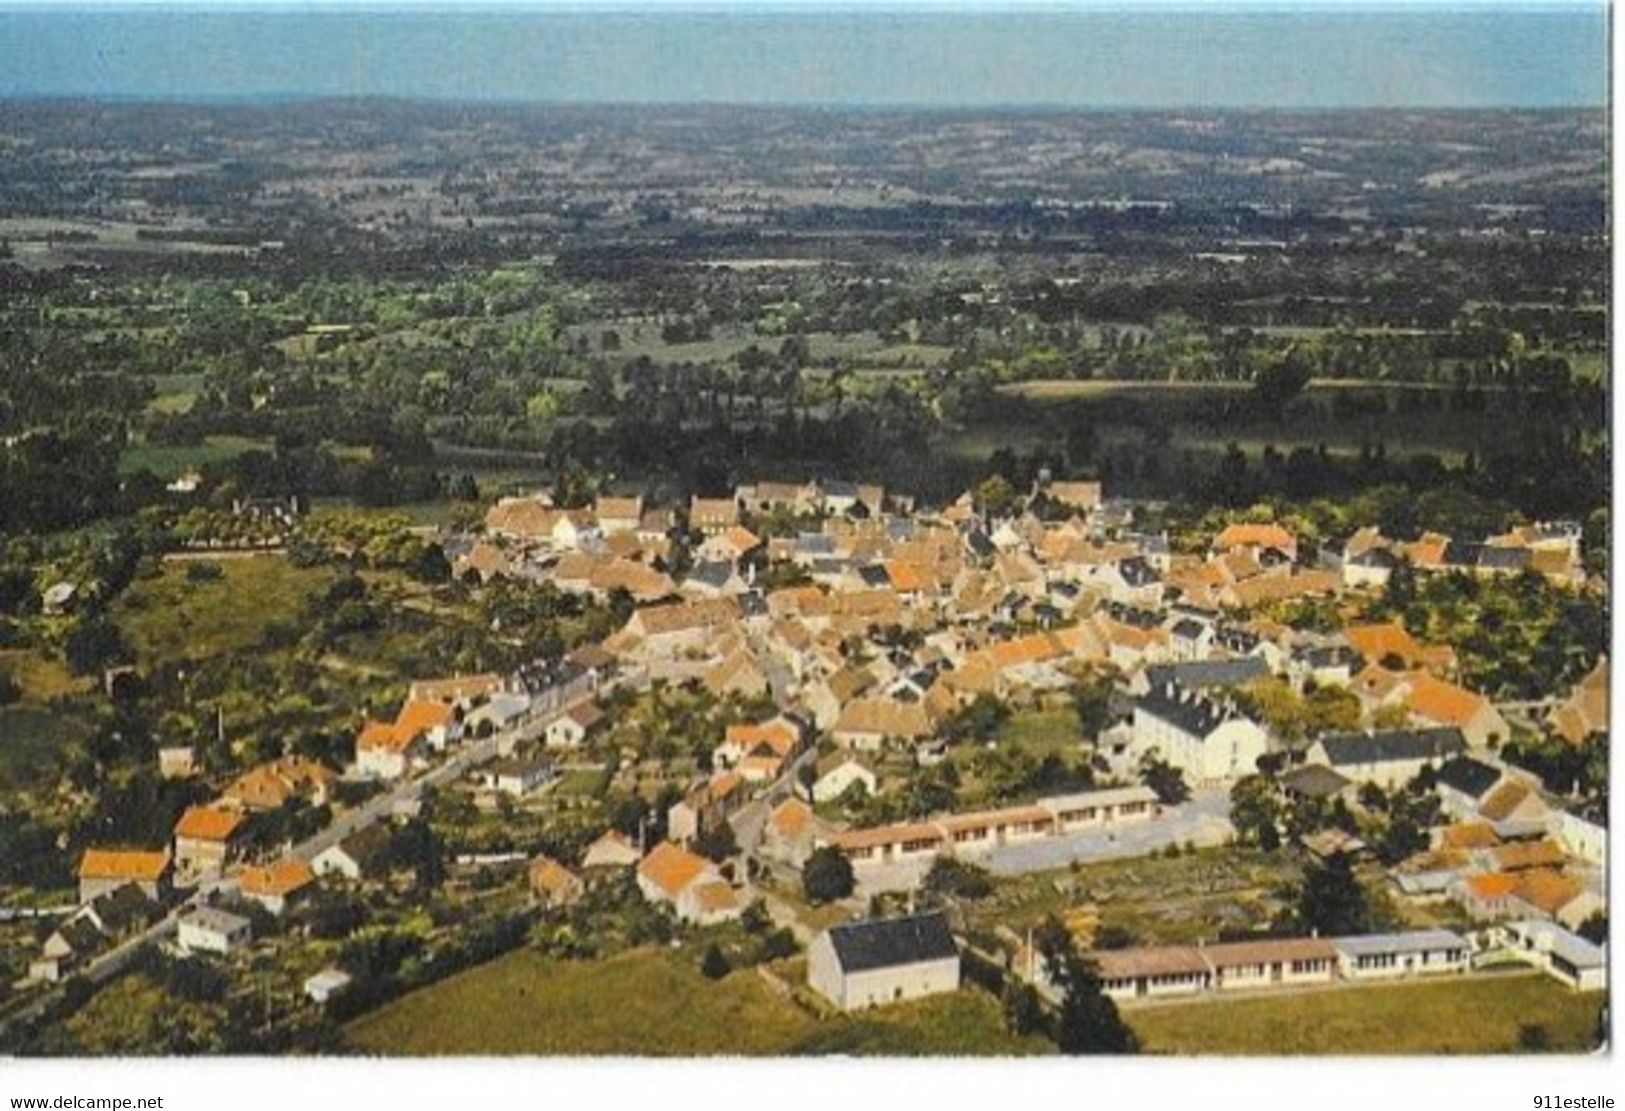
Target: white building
[(210, 930), (867, 964), (1391, 956), (1209, 742)]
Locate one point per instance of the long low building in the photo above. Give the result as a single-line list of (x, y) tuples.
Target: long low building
[(1164, 971), (984, 830)]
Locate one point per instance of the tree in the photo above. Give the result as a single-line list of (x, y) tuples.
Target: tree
[(1331, 901), (1165, 779), (1595, 928), (1023, 1010), (1086, 1021), (713, 963), (1256, 811), (1092, 701), (995, 496), (717, 843), (948, 876), (827, 875)]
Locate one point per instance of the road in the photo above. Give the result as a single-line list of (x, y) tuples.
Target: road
[(546, 706)]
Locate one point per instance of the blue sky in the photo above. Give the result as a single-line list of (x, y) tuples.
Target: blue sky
[(916, 52)]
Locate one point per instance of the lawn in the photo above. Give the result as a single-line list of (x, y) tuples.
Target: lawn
[(167, 461), (171, 616), (652, 1002), (1473, 1016), (645, 1003), (1042, 732), (30, 739), (40, 677)]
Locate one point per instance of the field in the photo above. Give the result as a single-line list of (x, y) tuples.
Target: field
[(1477, 1016), (167, 461), (30, 739), (656, 1003), (171, 617)]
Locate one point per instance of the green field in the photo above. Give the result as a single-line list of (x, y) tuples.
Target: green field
[(30, 739), (167, 461), (655, 1003), (171, 617), (1476, 1016)]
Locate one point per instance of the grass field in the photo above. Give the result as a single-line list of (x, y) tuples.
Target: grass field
[(645, 1003), (30, 738), (173, 461), (40, 677), (655, 1003), (170, 617), (1041, 732), (1477, 1016)]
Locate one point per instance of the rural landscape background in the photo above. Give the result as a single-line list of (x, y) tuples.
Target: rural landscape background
[(533, 532)]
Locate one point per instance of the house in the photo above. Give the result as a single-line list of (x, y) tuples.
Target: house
[(207, 837), (102, 870), (867, 723), (1390, 758), (1435, 701), (617, 516), (572, 728), (517, 776), (792, 831), (364, 854), (272, 785), (1390, 956), (325, 984), (177, 762), (67, 947), (1514, 809), (865, 964), (611, 851), (121, 911), (211, 930), (1209, 741), (758, 752), (1081, 496), (1463, 784), (1561, 954), (1388, 641), (712, 516), (1315, 781), (705, 806), (438, 723), (690, 884), (1254, 539), (891, 844), (1585, 711), (460, 690), (837, 773), (278, 886), (1204, 675), (553, 884)]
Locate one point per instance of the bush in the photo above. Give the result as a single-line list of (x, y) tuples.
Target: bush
[(714, 965), (827, 875)]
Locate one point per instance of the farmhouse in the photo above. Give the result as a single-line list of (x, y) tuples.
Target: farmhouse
[(102, 870), (866, 964), (206, 837), (210, 930), (277, 886)]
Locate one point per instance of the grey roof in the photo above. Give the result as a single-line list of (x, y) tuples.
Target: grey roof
[(1412, 941), (1469, 776), (1205, 674), (1133, 615), (123, 907), (368, 847), (1315, 781), (1504, 559), (838, 488), (80, 935), (1460, 553), (1238, 640), (752, 604), (874, 575), (213, 918), (979, 544), (900, 528), (892, 942), (1335, 655), (828, 566), (714, 574), (1188, 628), (1136, 571), (1376, 557), (1397, 744), (815, 543), (1191, 713), (1572, 949)]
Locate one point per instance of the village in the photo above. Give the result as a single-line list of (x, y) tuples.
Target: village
[(856, 654)]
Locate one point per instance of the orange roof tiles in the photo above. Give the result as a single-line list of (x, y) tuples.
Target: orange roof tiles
[(417, 718), (282, 878), (875, 836), (126, 864), (1547, 890), (1491, 885), (790, 817), (1520, 855), (1504, 801), (777, 735), (1443, 702), (208, 823), (671, 868), (1253, 535), (1469, 835)]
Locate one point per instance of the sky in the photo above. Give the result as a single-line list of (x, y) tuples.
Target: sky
[(795, 52)]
